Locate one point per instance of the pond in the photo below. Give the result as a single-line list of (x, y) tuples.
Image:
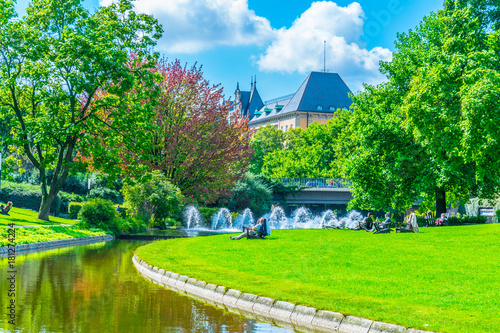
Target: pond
[(96, 287)]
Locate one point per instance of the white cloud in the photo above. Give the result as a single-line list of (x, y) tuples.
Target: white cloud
[(300, 48), (191, 26)]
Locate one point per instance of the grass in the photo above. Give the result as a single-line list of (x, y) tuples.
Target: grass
[(44, 234), (23, 217), (441, 279), (35, 234)]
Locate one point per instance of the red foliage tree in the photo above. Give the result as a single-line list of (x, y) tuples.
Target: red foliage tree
[(188, 135)]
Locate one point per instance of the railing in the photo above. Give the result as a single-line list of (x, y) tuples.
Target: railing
[(315, 182)]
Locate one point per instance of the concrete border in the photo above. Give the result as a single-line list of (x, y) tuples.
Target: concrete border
[(298, 317), (4, 250)]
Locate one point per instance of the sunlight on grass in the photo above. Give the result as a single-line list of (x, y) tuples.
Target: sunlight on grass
[(441, 279), (22, 217)]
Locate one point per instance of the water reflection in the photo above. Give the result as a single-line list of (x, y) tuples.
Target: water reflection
[(95, 287)]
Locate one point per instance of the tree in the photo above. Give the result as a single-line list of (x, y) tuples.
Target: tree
[(266, 140), (307, 153), (431, 131), (53, 62), (189, 136)]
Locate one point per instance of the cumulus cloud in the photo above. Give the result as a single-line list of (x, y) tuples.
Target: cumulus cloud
[(300, 48), (195, 25)]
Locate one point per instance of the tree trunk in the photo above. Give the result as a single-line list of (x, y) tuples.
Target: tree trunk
[(43, 213), (440, 202)]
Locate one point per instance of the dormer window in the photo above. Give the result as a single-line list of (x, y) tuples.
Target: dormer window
[(332, 108), (319, 107)]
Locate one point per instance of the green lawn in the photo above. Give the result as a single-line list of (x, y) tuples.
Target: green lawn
[(35, 234), (441, 279), (20, 217)]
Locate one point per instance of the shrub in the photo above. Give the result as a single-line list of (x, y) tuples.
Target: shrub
[(27, 197), (73, 209), (464, 219), (251, 192), (153, 198), (207, 213), (131, 225), (107, 194), (98, 213)]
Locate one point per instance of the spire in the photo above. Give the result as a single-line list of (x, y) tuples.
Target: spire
[(251, 82), (255, 81)]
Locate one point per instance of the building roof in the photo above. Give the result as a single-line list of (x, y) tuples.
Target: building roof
[(320, 92)]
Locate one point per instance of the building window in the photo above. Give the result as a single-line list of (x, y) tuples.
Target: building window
[(286, 128), (332, 108), (319, 107)]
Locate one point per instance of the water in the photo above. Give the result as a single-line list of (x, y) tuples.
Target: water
[(222, 219), (246, 219), (301, 218), (96, 287), (192, 217)]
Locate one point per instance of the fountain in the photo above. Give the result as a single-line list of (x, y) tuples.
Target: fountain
[(278, 219), (192, 217), (222, 219), (329, 218), (246, 219), (352, 220)]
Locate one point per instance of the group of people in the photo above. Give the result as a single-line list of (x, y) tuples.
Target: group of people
[(368, 225), (5, 209)]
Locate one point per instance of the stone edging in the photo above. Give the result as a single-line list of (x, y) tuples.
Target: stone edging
[(57, 243), (266, 309)]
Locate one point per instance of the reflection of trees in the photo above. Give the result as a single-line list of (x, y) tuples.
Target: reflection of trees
[(85, 288)]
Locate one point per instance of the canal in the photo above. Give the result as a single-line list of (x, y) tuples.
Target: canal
[(95, 287)]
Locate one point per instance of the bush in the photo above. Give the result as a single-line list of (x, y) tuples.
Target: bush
[(153, 198), (107, 194), (464, 219), (24, 197), (207, 213), (73, 209), (251, 192), (131, 225), (98, 213)]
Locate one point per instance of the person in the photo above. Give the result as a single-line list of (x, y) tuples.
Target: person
[(384, 225), (5, 209), (441, 221), (367, 223), (256, 230)]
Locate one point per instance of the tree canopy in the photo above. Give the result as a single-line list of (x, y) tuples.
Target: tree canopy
[(432, 130), (188, 135), (53, 62)]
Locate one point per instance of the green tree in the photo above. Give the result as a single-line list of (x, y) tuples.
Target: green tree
[(432, 130), (307, 153), (153, 196), (54, 61), (266, 140)]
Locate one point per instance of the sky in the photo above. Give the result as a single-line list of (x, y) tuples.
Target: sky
[(279, 42)]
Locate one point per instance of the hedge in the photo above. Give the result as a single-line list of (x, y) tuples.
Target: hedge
[(30, 199)]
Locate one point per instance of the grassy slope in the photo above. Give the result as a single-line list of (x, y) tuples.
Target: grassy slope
[(20, 217), (23, 217), (441, 279)]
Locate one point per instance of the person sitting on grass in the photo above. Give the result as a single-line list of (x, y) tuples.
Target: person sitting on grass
[(257, 230), (5, 209)]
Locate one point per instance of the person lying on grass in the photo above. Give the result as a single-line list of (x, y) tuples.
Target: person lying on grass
[(5, 209), (253, 231)]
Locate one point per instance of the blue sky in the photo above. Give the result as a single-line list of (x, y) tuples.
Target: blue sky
[(280, 41)]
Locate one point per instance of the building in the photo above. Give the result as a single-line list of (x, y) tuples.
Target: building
[(316, 100)]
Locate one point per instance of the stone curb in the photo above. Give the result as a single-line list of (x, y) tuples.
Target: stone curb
[(298, 317), (56, 243)]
